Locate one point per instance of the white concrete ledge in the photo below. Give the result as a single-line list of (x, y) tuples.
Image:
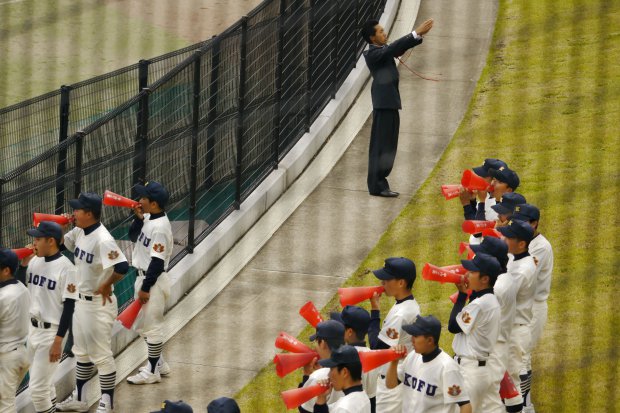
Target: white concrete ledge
[(204, 271)]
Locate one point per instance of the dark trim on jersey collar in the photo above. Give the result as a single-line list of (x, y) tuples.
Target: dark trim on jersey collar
[(53, 257), (352, 389), (481, 293), (157, 215), (358, 344), (92, 228), (8, 282), (410, 297), (522, 255), (431, 356)]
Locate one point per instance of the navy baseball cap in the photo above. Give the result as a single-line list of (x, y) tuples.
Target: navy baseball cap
[(8, 259), (489, 163), (352, 316), (46, 229), (508, 203), (396, 269), (424, 326), (526, 212), (327, 330), (506, 175), (155, 192), (87, 200), (223, 405), (493, 246), (175, 407), (485, 264), (518, 229), (344, 355)]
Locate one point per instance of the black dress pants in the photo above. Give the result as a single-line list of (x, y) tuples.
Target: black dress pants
[(382, 151)]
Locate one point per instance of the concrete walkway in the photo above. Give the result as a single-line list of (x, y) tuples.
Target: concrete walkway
[(333, 230)]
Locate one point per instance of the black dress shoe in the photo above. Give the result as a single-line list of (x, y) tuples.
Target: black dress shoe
[(387, 194)]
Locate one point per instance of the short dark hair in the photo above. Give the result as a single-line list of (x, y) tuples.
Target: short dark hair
[(368, 29), (355, 370), (332, 343), (96, 214), (360, 334), (2, 267), (435, 338), (492, 279)]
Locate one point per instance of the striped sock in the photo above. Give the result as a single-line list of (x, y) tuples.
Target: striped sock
[(107, 383), (527, 395), (154, 354), (526, 382), (83, 373)]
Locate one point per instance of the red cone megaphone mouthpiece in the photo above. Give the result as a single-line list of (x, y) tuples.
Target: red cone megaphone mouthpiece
[(463, 246), (296, 397), (37, 218), (288, 362), (450, 191), (354, 295), (129, 314), (311, 314), (474, 182), (112, 199), (375, 358), (476, 227), (433, 273), (22, 252), (491, 232), (287, 342), (454, 296)]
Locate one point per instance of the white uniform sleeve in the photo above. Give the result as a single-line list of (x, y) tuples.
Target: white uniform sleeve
[(391, 330), (110, 253), (467, 317), (69, 239), (453, 385), (161, 246), (69, 284)]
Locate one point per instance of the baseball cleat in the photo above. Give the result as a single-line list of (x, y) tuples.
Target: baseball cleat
[(145, 377), (162, 366), (72, 404)]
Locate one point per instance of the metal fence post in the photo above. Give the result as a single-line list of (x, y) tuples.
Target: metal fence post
[(240, 108), (63, 131), (277, 131), (310, 65), (212, 110), (2, 182), (139, 159), (355, 29), (336, 13), (194, 155), (79, 151)]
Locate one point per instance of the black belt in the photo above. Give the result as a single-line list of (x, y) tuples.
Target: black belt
[(86, 297), (40, 324), (481, 363)]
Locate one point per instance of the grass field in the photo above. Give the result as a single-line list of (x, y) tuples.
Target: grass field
[(548, 103)]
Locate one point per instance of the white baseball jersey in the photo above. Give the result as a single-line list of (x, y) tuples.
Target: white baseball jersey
[(14, 315), (523, 272), (316, 376), (155, 240), (505, 291), (50, 283), (354, 402), (400, 314), (489, 213), (479, 320), (95, 256), (540, 249), (369, 379), (432, 387)]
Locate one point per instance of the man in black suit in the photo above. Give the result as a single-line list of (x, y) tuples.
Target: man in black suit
[(380, 58)]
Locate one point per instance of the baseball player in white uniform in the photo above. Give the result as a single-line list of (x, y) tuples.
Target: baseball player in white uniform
[(52, 282), (152, 234), (432, 381), (356, 321), (14, 322), (505, 207), (329, 337), (522, 269), (397, 277), (345, 375), (476, 327), (100, 263), (542, 253)]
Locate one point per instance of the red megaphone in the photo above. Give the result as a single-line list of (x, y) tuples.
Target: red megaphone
[(473, 182), (450, 191), (37, 218), (433, 273), (287, 342), (129, 314), (23, 252), (296, 397), (112, 199), (311, 314), (375, 358), (507, 388), (454, 296), (463, 246), (458, 269), (289, 362), (476, 227), (491, 232), (354, 295)]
